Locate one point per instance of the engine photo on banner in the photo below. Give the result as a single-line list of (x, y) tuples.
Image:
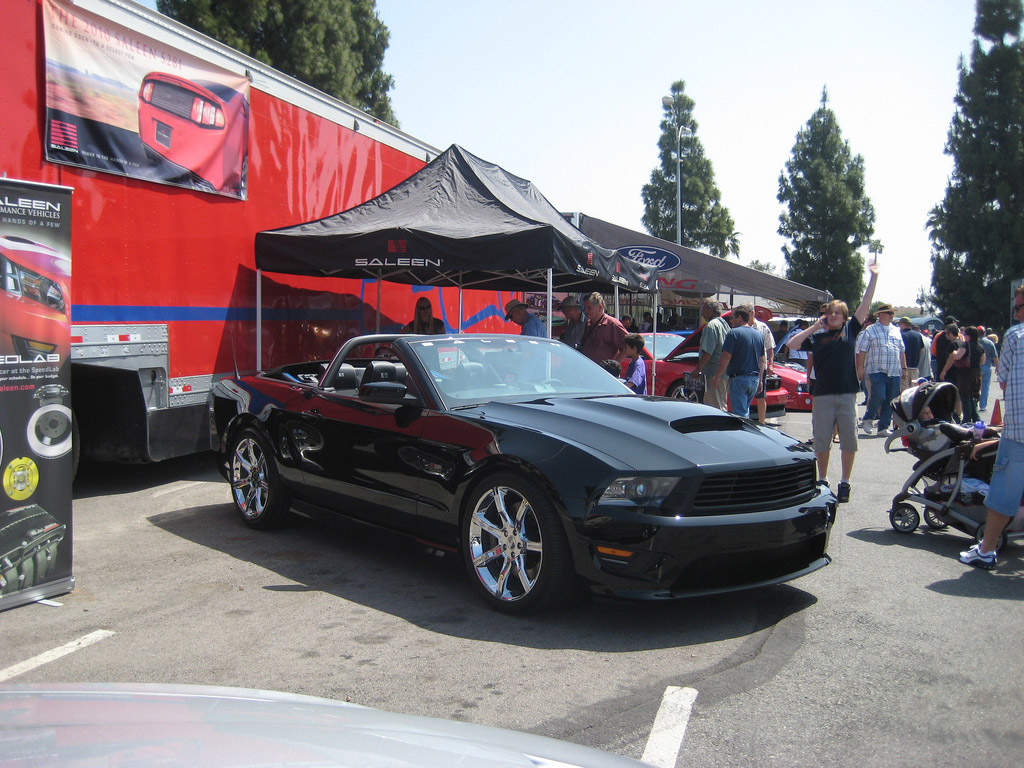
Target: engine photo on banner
[(123, 103)]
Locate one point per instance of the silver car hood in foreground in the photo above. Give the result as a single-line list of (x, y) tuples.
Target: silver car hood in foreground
[(186, 725)]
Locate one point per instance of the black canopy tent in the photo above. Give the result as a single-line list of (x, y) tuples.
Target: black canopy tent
[(459, 222)]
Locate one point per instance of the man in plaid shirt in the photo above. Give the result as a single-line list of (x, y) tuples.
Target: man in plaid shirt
[(883, 359), (1006, 487)]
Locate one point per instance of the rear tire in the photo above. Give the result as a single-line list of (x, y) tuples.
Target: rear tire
[(256, 486), (980, 534), (514, 546), (933, 521)]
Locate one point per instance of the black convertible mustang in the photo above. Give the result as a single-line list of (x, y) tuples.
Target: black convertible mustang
[(532, 462)]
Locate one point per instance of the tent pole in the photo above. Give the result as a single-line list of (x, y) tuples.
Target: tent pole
[(551, 284), (460, 303), (380, 275), (654, 343), (259, 320)]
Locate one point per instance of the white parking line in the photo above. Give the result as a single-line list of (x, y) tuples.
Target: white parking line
[(53, 654), (666, 737)]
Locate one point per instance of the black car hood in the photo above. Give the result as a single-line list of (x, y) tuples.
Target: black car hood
[(651, 432)]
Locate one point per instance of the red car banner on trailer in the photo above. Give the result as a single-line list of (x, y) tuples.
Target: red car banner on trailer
[(123, 103), (35, 400)]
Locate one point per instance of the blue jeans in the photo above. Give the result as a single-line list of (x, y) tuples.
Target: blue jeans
[(986, 381), (883, 389), (742, 389)]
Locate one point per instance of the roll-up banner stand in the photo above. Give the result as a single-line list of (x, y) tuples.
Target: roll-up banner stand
[(35, 392)]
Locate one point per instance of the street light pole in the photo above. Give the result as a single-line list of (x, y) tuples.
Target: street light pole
[(668, 102)]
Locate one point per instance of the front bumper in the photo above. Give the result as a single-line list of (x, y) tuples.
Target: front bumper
[(652, 557)]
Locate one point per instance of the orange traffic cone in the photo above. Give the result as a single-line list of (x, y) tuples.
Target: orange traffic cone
[(997, 416)]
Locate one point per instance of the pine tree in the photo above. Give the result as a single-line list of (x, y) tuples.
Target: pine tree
[(977, 231), (335, 45), (706, 223), (828, 216)]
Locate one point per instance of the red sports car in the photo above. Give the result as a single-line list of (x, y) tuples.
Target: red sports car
[(676, 364), (201, 127), (35, 302), (794, 379)]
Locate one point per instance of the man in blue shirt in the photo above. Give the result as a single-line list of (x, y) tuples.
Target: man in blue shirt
[(913, 345), (519, 313), (1007, 484), (743, 361)]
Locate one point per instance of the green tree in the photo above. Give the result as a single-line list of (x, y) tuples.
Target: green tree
[(335, 45), (764, 266), (706, 223), (828, 216), (977, 232)]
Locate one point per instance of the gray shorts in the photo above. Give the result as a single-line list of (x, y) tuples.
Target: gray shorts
[(830, 411)]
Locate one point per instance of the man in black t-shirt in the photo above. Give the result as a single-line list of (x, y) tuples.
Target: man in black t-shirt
[(833, 348)]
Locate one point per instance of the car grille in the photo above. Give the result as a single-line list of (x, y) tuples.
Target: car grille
[(752, 490), (173, 99), (724, 570)]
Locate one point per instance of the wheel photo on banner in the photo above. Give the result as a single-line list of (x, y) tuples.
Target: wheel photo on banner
[(35, 399)]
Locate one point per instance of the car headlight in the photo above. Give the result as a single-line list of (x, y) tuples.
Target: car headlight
[(638, 491), (55, 297), (802, 388)]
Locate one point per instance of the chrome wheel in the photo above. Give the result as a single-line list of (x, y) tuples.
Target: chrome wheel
[(514, 546), (680, 392), (255, 485), (505, 543)]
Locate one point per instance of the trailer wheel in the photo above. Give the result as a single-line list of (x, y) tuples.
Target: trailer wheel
[(936, 523), (256, 486), (904, 518)]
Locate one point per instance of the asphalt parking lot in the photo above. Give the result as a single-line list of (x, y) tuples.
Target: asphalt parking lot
[(894, 655)]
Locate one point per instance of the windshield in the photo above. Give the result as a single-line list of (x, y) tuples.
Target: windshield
[(468, 370), (667, 342)]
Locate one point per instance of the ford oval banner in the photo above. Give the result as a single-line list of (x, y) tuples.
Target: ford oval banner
[(120, 102), (651, 255)]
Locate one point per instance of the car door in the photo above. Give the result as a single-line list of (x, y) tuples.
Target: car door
[(353, 456)]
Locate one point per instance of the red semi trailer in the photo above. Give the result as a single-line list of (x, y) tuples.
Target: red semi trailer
[(165, 292)]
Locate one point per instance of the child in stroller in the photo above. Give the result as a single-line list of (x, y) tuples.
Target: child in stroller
[(950, 477)]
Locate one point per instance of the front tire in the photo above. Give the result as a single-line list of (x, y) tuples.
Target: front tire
[(904, 518), (678, 391), (514, 547), (256, 486)]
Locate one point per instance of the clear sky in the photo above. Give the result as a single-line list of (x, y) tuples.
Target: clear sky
[(567, 93)]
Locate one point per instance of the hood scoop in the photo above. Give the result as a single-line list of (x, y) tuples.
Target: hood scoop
[(712, 423)]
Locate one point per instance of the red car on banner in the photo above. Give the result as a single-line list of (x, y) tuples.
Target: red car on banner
[(35, 307), (199, 127)]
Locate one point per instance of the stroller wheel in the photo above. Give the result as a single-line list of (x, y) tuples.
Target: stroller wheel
[(980, 534), (933, 520), (904, 518)]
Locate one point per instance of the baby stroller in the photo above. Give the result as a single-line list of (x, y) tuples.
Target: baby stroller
[(946, 482)]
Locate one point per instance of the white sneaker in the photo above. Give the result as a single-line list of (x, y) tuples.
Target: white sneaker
[(868, 426)]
